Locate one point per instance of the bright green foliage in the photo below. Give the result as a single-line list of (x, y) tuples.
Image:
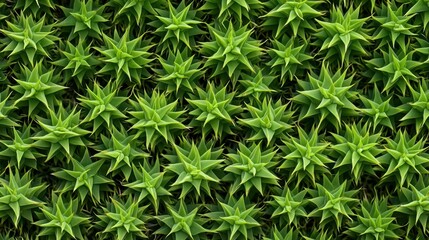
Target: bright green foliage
[(134, 11), (85, 19), (289, 58), (85, 176), (297, 15), (6, 111), (375, 221), (333, 201), (231, 51), (359, 148), (179, 73), (417, 108), (181, 222), (378, 109), (420, 9), (194, 165), (26, 38), (235, 219), (78, 62), (256, 86), (306, 155), (121, 150), (62, 219), (122, 220), (156, 118), (235, 9), (268, 120), (149, 182), (177, 26), (127, 58), (415, 204), (326, 96), (61, 133), (395, 71), (343, 34), (34, 6), (213, 110), (104, 106), (20, 150), (250, 167), (405, 158), (284, 234), (289, 206), (394, 26), (19, 196), (36, 86)]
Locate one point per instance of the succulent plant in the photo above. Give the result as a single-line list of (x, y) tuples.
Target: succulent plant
[(34, 6), (268, 120), (156, 118), (326, 97), (297, 15), (333, 201), (19, 196), (420, 9), (235, 9), (231, 51), (62, 219), (417, 108), (177, 27), (134, 11), (249, 167), (256, 86), (285, 233), (405, 158), (86, 177), (181, 222), (85, 19), (306, 155), (213, 110), (235, 219), (193, 166), (124, 220), (26, 38), (127, 58), (7, 117)]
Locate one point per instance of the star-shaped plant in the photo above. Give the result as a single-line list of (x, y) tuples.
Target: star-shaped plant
[(179, 74), (177, 26), (343, 34), (333, 201), (375, 221), (285, 233), (19, 196), (127, 58), (393, 70), (359, 148), (7, 112), (235, 219), (25, 38), (156, 118), (34, 6), (405, 158), (149, 183), (394, 26), (103, 104), (326, 96), (36, 86), (250, 167), (121, 150), (213, 110), (268, 120), (235, 9), (85, 19), (77, 61), (122, 220), (297, 15), (21, 149), (378, 109), (61, 133), (289, 58), (231, 50), (420, 10), (417, 108), (289, 206), (84, 176), (182, 222), (256, 87), (305, 156), (194, 165), (135, 11), (62, 219)]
